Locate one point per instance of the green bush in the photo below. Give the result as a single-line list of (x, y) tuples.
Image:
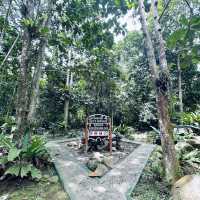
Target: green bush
[(23, 161)]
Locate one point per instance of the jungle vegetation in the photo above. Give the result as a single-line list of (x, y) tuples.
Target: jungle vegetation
[(61, 61)]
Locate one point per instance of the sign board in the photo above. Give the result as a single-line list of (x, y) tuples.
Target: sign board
[(98, 125)]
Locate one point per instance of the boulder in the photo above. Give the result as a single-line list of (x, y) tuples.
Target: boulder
[(187, 188)]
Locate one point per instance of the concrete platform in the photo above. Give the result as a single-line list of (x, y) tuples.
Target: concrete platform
[(117, 184)]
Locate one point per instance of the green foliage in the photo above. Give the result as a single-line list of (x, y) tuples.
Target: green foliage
[(14, 170), (192, 157), (36, 148), (8, 124), (20, 162), (156, 164), (152, 136), (183, 136), (6, 141), (28, 22), (175, 37), (124, 130), (24, 170), (13, 153), (190, 118)]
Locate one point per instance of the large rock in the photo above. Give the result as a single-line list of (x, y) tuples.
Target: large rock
[(187, 188), (194, 141)]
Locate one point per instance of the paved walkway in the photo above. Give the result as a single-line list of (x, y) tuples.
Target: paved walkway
[(117, 184)]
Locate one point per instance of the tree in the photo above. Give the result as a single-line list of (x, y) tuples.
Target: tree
[(161, 79), (23, 87), (35, 90)]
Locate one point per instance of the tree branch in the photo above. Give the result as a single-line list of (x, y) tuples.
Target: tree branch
[(165, 8), (11, 48), (191, 10)]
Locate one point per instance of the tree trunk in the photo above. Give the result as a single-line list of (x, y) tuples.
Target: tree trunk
[(23, 86), (69, 82), (66, 113), (35, 94), (66, 104), (180, 91), (160, 77), (34, 101), (171, 164)]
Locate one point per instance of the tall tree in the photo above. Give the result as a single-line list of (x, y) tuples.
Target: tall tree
[(35, 90), (23, 86), (161, 79)]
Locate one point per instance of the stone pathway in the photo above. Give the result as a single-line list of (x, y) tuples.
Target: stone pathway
[(117, 184)]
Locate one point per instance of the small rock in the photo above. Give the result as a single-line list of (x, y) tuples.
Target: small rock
[(98, 156), (100, 171), (187, 188), (92, 164)]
